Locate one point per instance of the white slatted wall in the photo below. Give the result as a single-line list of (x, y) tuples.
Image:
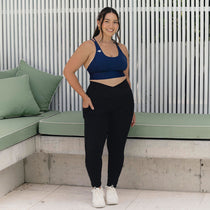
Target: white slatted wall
[(168, 43)]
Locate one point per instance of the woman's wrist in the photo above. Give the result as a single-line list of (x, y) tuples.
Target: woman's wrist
[(84, 96)]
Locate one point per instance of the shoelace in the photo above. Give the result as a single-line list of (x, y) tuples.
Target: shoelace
[(111, 187), (97, 191)]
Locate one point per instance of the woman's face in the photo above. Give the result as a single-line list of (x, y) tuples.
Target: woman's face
[(110, 24)]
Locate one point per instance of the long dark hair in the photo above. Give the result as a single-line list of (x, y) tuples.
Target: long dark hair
[(101, 16)]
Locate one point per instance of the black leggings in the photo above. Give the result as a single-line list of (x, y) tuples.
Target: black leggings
[(111, 120)]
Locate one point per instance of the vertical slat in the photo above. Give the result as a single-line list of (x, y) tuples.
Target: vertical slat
[(188, 61), (174, 57), (143, 56), (170, 66), (24, 29), (161, 58), (96, 9), (76, 95), (39, 35), (118, 8), (47, 67), (55, 47), (4, 35), (206, 57), (183, 60), (72, 48), (8, 32), (126, 24), (139, 85), (15, 33), (63, 58), (157, 75), (51, 37), (92, 17), (20, 30), (112, 3), (12, 35), (88, 19), (148, 56), (35, 35), (101, 4), (201, 99), (165, 59), (4, 31), (192, 63), (153, 11), (130, 40), (85, 37), (59, 92), (27, 34), (197, 59), (43, 38), (51, 47), (179, 75), (68, 34), (209, 75), (79, 42), (122, 23), (1, 37), (31, 48), (135, 38)]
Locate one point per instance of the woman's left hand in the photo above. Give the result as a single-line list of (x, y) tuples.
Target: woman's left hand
[(133, 120)]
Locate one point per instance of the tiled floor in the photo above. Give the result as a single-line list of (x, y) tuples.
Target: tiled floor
[(61, 197)]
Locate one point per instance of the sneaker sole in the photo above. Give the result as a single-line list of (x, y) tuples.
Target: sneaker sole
[(112, 203), (98, 206)]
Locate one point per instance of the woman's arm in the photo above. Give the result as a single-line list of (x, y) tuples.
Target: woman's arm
[(74, 63), (126, 72)]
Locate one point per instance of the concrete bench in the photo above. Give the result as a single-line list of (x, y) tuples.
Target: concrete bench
[(163, 152), (17, 141)]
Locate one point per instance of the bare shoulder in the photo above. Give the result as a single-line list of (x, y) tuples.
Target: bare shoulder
[(123, 48), (87, 46)]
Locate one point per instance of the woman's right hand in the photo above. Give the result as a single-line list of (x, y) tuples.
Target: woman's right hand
[(87, 102)]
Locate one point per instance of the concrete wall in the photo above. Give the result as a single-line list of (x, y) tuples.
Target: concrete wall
[(11, 177), (137, 173)]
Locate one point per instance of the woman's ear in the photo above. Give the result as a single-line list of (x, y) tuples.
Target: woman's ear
[(98, 24)]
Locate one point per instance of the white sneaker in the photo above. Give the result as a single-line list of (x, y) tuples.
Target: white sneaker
[(111, 195), (98, 197)]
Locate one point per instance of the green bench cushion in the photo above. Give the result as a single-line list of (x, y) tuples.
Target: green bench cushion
[(171, 126), (148, 125), (15, 130), (70, 123)]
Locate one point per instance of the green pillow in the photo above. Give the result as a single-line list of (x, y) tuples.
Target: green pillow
[(8, 73), (16, 98), (43, 85)]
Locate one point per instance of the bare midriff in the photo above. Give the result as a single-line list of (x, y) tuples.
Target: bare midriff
[(110, 82)]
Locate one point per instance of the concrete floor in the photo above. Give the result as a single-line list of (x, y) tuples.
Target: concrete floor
[(63, 197)]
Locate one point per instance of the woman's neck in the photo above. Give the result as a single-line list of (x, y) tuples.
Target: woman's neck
[(105, 40)]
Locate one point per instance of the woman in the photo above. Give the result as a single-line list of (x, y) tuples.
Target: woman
[(108, 106)]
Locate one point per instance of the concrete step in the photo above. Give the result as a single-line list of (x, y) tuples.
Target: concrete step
[(56, 197), (137, 173), (150, 164)]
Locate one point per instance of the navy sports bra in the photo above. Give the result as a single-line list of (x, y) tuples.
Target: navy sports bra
[(104, 67)]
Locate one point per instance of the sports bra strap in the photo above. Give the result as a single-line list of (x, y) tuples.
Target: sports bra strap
[(96, 44)]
